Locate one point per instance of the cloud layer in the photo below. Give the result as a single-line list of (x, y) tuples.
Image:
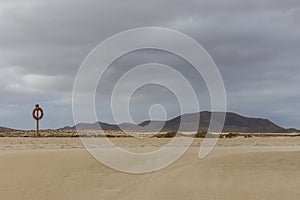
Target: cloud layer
[(255, 44)]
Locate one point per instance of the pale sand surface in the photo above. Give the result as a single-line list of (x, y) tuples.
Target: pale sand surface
[(60, 168)]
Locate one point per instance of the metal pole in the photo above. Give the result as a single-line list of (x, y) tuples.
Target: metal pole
[(37, 124), (37, 128)]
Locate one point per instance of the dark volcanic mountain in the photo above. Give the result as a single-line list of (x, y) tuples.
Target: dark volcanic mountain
[(233, 123)]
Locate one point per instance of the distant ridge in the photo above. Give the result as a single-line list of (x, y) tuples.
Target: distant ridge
[(233, 123), (4, 129)]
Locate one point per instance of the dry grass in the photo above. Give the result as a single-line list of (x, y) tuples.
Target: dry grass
[(121, 134)]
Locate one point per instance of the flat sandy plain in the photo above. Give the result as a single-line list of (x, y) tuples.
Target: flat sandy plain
[(238, 168)]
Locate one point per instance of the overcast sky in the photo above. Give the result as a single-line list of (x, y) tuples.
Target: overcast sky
[(255, 44)]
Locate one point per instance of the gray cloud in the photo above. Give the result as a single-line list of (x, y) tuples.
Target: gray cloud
[(254, 43)]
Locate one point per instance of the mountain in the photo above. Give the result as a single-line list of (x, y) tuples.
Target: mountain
[(233, 123), (4, 129), (93, 126)]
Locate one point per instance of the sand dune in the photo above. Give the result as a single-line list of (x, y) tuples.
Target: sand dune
[(240, 170)]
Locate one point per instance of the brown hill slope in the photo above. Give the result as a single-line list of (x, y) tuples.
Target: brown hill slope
[(233, 123)]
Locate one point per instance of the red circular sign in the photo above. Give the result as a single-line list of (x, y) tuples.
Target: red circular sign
[(38, 112)]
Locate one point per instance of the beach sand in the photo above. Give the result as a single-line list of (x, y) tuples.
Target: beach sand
[(238, 168)]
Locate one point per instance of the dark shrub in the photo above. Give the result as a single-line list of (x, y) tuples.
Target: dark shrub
[(201, 134), (232, 135)]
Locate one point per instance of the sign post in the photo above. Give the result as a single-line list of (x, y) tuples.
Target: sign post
[(37, 114)]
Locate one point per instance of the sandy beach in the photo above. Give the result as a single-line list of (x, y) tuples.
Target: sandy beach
[(238, 168)]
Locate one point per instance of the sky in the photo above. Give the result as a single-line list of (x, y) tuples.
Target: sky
[(254, 43)]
